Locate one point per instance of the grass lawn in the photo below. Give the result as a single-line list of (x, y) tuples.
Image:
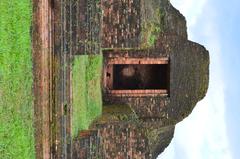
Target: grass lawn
[(87, 98), (16, 100)]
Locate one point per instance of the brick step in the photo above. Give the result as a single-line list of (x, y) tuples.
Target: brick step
[(87, 146)]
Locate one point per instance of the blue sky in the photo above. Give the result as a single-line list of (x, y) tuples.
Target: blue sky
[(212, 131)]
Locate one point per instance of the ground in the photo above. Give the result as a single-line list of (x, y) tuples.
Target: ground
[(16, 100)]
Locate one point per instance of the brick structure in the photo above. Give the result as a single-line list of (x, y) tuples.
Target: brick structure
[(159, 83)]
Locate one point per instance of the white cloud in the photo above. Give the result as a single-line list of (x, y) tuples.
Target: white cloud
[(191, 9), (203, 134)]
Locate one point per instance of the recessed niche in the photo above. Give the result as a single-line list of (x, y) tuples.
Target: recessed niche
[(140, 77), (134, 76)]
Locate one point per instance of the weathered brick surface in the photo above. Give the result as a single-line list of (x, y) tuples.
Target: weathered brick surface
[(121, 23), (127, 60), (145, 107), (121, 140), (126, 23), (138, 93), (88, 146), (86, 27)]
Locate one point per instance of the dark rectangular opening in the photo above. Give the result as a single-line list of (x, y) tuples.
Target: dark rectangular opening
[(140, 76)]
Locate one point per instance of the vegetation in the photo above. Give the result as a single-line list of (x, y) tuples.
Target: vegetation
[(151, 27), (16, 100), (87, 98)]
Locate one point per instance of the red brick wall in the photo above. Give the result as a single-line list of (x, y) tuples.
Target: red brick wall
[(121, 23)]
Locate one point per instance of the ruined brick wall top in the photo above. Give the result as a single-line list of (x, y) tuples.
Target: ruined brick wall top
[(115, 140), (137, 23), (120, 140), (189, 76)]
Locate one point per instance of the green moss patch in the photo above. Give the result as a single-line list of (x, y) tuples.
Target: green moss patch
[(152, 24)]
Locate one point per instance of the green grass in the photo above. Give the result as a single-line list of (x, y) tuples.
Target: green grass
[(87, 98), (16, 100)]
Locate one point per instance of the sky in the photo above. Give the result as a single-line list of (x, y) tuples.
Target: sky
[(212, 130)]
